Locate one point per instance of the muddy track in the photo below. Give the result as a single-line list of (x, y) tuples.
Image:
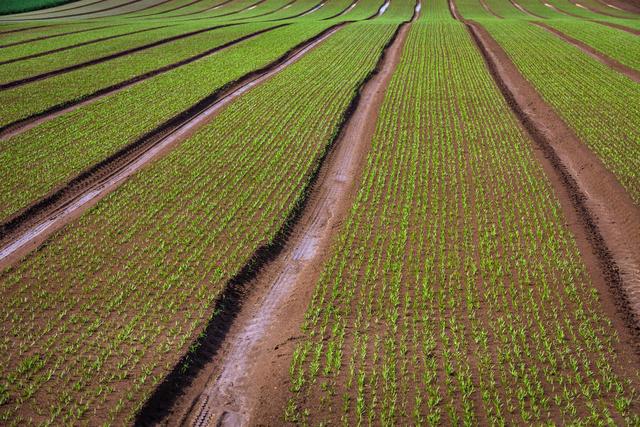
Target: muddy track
[(298, 15), (626, 6), (246, 354), (606, 215), (73, 46), (560, 11), (25, 231), (35, 39), (595, 54), (65, 70), (593, 10), (23, 125)]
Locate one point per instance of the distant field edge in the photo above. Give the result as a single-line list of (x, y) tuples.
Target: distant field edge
[(8, 7)]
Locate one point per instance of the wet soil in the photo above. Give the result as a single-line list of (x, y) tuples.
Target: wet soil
[(595, 54), (30, 228), (246, 382), (606, 215)]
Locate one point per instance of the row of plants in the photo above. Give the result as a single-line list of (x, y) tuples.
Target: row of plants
[(454, 292), (568, 79), (35, 162), (94, 319)]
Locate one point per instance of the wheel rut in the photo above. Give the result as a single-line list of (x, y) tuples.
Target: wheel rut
[(245, 374), (595, 54), (29, 229), (607, 221)]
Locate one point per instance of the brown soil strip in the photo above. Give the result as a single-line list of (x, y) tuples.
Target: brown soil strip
[(73, 46), (591, 9), (620, 27), (245, 381), (631, 6), (607, 216), (595, 54), (166, 11), (31, 227), (525, 11), (35, 39), (560, 11), (311, 9), (215, 6), (23, 125), (347, 9), (486, 7), (19, 30), (106, 58)]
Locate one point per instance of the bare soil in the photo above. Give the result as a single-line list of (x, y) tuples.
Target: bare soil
[(595, 54), (35, 39), (620, 27), (607, 216), (31, 227), (38, 77), (246, 382), (23, 125)]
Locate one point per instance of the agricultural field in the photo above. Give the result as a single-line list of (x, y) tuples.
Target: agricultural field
[(319, 212)]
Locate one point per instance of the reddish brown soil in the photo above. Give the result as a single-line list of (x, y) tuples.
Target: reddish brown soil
[(35, 39), (90, 12), (620, 27), (30, 228), (607, 216), (486, 7), (191, 3), (23, 125), (285, 286), (110, 57), (595, 54), (73, 46), (524, 10), (629, 6)]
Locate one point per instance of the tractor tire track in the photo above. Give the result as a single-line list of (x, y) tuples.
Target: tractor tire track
[(607, 219), (65, 70), (620, 27), (595, 54), (30, 228), (63, 9), (229, 387)]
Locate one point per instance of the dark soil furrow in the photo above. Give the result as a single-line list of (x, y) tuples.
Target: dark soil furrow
[(620, 27), (216, 6), (310, 229), (345, 10), (595, 54), (191, 3), (106, 58), (35, 39), (607, 216), (20, 30), (26, 230), (73, 46), (88, 12), (64, 9)]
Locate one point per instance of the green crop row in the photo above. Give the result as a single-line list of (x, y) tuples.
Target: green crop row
[(18, 6), (93, 332), (569, 80), (454, 293), (616, 44), (35, 162)]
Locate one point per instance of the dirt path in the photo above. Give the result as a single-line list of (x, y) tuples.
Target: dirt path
[(102, 59), (605, 214), (486, 7), (29, 15), (595, 54), (29, 230), (23, 125), (246, 382), (525, 11)]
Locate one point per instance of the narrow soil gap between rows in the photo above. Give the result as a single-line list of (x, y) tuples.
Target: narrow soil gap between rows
[(241, 367), (26, 231), (601, 214)]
